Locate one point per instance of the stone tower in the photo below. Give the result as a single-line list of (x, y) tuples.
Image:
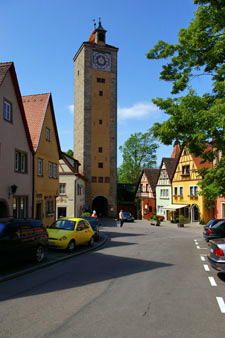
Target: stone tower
[(95, 120)]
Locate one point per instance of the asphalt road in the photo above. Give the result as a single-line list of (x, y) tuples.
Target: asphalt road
[(146, 282)]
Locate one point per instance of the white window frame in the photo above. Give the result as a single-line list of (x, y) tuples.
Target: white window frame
[(62, 188), (40, 167), (194, 189), (181, 189)]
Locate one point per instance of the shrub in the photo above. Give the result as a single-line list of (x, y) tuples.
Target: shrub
[(181, 219), (85, 214)]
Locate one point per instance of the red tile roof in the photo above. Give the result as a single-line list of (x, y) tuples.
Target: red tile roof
[(35, 107)]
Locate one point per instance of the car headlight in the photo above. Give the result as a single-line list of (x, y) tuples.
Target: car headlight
[(63, 238)]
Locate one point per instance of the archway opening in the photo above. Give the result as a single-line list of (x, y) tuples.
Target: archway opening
[(195, 215), (100, 205), (4, 212)]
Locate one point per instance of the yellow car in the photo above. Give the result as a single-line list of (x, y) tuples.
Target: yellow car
[(66, 233)]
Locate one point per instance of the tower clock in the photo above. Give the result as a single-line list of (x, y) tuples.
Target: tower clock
[(95, 120)]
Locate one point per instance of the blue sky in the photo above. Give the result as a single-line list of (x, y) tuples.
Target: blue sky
[(41, 38)]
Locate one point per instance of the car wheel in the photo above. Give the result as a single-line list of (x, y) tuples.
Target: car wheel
[(91, 242), (39, 254), (71, 246)]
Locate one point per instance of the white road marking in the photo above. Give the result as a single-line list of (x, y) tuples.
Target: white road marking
[(198, 247), (221, 304), (212, 281), (196, 243), (206, 267), (195, 240), (202, 258)]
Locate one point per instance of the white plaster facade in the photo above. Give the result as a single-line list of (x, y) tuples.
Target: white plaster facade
[(71, 199), (163, 192)]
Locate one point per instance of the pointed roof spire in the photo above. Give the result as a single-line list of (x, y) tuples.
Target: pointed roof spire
[(100, 28)]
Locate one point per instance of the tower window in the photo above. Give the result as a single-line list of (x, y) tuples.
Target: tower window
[(100, 93), (100, 164), (101, 80), (94, 179), (107, 179), (100, 179), (100, 121), (100, 149)]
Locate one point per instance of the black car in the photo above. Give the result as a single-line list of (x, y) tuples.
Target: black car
[(213, 222), (95, 226), (215, 231), (128, 217), (23, 238)]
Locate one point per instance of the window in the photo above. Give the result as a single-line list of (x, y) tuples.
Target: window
[(147, 188), (49, 208), (141, 187), (100, 121), (223, 210), (181, 191), (185, 170), (20, 162), (100, 180), (100, 149), (107, 179), (164, 193), (193, 190), (7, 111), (62, 188), (20, 206), (40, 167), (94, 179), (79, 188), (47, 134), (101, 80), (100, 165), (50, 169), (61, 212), (100, 93), (55, 170), (175, 191)]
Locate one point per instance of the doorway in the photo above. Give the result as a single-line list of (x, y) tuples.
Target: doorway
[(4, 212), (195, 213), (39, 210), (100, 205)]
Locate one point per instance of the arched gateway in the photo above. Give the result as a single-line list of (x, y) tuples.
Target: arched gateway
[(100, 205)]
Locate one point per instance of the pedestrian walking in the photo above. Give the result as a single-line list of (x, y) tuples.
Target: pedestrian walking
[(94, 214), (121, 218)]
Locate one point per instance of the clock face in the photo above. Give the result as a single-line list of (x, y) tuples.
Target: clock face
[(101, 61)]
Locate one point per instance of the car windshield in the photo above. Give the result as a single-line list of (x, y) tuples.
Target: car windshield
[(125, 213), (63, 224)]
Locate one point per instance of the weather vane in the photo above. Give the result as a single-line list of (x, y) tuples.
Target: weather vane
[(94, 23)]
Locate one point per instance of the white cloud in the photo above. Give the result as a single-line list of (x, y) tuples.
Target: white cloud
[(137, 111), (71, 108)]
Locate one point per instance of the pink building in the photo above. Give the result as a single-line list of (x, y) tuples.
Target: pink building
[(15, 148)]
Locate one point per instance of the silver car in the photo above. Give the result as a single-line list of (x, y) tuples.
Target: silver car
[(216, 256)]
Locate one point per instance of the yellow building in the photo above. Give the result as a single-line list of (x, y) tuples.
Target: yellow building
[(186, 200), (44, 136)]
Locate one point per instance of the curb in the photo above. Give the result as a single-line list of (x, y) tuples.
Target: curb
[(104, 239)]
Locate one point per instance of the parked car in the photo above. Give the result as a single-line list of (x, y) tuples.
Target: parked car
[(213, 222), (23, 237), (94, 223), (216, 256), (215, 231), (128, 217), (67, 233)]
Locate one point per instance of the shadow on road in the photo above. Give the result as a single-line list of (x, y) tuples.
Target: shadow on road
[(78, 271)]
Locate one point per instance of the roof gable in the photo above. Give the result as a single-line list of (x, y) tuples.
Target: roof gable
[(9, 67), (35, 109)]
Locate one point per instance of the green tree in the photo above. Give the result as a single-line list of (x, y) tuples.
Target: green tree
[(70, 152), (138, 152), (196, 120)]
